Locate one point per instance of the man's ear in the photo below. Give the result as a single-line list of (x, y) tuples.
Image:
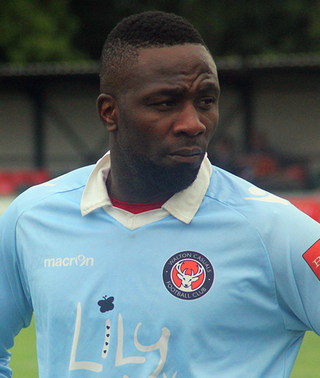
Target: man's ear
[(108, 114)]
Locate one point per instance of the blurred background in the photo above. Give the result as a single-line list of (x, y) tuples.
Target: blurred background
[(268, 57)]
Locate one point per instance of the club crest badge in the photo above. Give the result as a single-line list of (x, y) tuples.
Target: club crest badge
[(188, 275)]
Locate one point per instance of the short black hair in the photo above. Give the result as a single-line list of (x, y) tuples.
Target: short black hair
[(143, 30)]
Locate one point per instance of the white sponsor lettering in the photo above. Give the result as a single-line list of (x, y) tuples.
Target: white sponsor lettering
[(161, 345), (119, 357), (80, 260), (76, 365)]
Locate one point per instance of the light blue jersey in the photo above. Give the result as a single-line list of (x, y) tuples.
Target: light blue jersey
[(229, 295)]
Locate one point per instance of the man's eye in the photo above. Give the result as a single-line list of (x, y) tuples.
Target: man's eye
[(166, 104), (206, 103)]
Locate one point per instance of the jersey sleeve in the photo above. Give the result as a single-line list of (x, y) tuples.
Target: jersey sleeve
[(294, 250), (15, 302)]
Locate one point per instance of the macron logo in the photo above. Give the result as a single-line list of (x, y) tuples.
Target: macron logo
[(80, 260), (263, 196)]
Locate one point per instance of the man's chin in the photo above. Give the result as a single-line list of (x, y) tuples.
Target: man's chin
[(174, 179)]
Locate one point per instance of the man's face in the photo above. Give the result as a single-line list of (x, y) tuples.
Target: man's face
[(167, 113)]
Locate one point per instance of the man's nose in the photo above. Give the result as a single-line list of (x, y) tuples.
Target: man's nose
[(188, 121)]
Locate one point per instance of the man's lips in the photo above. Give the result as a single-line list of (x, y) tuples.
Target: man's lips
[(187, 155)]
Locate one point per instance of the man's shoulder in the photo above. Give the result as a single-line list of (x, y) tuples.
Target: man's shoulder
[(274, 219), (235, 191), (71, 183), (237, 194)]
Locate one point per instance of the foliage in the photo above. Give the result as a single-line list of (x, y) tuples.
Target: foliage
[(260, 27), (229, 27), (37, 31), (57, 30)]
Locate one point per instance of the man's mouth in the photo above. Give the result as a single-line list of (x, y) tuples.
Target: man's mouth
[(187, 155)]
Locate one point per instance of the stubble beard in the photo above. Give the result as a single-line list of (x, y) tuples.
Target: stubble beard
[(162, 179), (146, 180)]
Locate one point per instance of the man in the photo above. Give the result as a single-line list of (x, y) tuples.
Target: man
[(153, 263)]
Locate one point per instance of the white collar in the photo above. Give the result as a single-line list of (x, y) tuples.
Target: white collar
[(182, 205)]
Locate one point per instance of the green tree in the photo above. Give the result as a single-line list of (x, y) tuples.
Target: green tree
[(259, 27), (66, 30), (37, 31), (229, 27)]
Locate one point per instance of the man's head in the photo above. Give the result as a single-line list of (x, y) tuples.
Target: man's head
[(159, 102), (144, 30)]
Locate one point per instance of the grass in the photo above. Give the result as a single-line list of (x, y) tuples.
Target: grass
[(24, 357), (24, 361), (308, 362)]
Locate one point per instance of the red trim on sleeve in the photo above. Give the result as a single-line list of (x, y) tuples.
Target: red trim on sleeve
[(312, 257)]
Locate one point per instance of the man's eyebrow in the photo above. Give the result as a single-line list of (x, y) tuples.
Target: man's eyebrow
[(170, 92), (210, 86), (179, 91)]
